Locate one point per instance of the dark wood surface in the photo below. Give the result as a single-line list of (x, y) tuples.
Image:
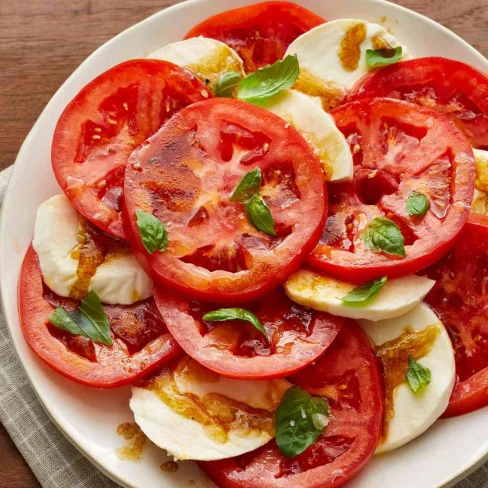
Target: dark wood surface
[(43, 41)]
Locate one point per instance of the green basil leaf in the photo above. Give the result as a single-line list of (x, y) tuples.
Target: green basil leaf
[(362, 294), (248, 186), (235, 314), (417, 204), (300, 419), (383, 235), (88, 320), (259, 215), (383, 57), (224, 88), (418, 376), (67, 321), (154, 235), (268, 81)]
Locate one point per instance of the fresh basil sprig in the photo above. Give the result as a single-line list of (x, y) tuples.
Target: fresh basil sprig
[(300, 419), (88, 320), (418, 376), (383, 57), (154, 235), (383, 235), (361, 295), (224, 88), (225, 314), (257, 210), (417, 204), (269, 81)]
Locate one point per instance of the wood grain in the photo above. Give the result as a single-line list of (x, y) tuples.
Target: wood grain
[(42, 42)]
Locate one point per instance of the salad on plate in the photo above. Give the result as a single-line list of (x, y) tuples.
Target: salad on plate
[(276, 231)]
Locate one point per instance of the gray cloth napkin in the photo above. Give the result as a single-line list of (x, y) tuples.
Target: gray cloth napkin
[(54, 461)]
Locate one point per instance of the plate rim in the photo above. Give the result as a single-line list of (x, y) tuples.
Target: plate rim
[(449, 481)]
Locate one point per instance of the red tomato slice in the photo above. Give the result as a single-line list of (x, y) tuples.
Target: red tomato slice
[(259, 33), (141, 339), (453, 88), (298, 335), (459, 298), (101, 126), (349, 378), (398, 148), (185, 175)]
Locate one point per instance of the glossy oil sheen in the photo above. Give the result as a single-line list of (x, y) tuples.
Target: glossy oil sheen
[(450, 448)]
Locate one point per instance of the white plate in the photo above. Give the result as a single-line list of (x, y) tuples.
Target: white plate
[(89, 417)]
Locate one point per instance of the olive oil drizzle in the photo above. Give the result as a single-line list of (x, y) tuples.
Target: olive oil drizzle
[(93, 249), (350, 50), (135, 441), (394, 358), (217, 413)]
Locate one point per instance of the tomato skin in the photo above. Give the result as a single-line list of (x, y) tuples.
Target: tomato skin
[(352, 433), (109, 367), (222, 257), (260, 33), (431, 150), (101, 126), (459, 300), (236, 349), (454, 88)]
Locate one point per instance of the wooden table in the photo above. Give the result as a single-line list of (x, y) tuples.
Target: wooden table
[(42, 42)]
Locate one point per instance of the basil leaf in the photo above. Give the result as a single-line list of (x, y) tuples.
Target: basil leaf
[(268, 81), (418, 376), (154, 235), (235, 314), (362, 294), (417, 204), (259, 215), (224, 88), (67, 321), (300, 419), (383, 57), (88, 320), (383, 235), (248, 186)]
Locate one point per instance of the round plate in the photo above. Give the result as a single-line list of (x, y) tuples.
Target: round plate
[(89, 417)]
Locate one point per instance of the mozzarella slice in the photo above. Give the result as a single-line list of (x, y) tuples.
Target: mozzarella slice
[(421, 334), (206, 58), (195, 414), (480, 200), (62, 241), (318, 128), (323, 293), (332, 56)]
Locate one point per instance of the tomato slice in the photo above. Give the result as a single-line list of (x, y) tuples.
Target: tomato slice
[(451, 87), (460, 299), (259, 33), (236, 349), (398, 148), (349, 378), (141, 339), (185, 175), (101, 126)]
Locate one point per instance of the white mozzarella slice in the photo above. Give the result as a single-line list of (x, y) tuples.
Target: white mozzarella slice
[(195, 414), (398, 296), (318, 128), (421, 334), (332, 56), (205, 57), (480, 200), (58, 232)]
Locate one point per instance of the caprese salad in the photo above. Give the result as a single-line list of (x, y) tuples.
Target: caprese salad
[(275, 230)]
